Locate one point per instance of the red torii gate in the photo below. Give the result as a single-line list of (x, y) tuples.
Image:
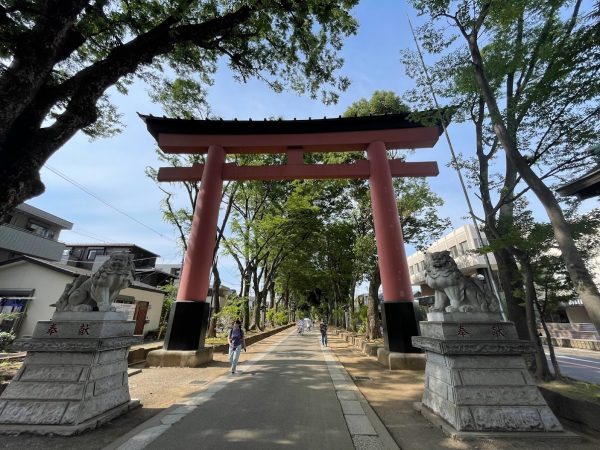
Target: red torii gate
[(217, 138)]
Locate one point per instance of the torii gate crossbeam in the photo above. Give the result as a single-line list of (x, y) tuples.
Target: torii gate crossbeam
[(375, 134)]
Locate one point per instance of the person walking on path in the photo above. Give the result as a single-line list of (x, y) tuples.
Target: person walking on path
[(308, 323), (236, 343), (323, 329)]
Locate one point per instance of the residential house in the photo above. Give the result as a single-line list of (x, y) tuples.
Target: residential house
[(173, 269), (28, 230), (92, 256), (30, 285)]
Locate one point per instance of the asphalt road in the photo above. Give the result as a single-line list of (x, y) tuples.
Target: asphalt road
[(286, 400), (583, 365)]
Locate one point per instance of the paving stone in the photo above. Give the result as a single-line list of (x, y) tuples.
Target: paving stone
[(347, 395), (351, 407), (185, 409), (360, 424), (170, 419), (142, 439), (344, 385), (362, 442)]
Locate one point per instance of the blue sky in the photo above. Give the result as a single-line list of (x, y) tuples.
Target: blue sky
[(113, 169)]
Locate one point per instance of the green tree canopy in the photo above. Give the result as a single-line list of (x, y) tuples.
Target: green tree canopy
[(58, 58)]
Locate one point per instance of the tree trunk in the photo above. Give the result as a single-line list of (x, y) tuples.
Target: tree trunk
[(215, 301), (555, 366), (499, 223), (246, 297), (542, 371), (272, 294), (580, 276), (373, 323), (511, 281)]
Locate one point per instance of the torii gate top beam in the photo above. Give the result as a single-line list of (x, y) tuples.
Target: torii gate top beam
[(279, 136)]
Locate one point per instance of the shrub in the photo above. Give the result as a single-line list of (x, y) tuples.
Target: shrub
[(5, 340), (170, 291), (233, 309), (277, 318), (281, 317)]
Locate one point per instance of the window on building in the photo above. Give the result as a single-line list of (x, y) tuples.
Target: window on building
[(454, 251), (39, 229), (93, 252), (411, 270), (464, 248)]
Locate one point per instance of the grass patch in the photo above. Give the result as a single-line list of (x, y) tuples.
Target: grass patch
[(219, 340), (579, 390)]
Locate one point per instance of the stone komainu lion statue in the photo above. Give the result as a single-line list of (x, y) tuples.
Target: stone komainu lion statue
[(463, 293), (88, 293)]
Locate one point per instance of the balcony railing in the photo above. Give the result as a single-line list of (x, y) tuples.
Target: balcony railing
[(465, 263), (19, 240)]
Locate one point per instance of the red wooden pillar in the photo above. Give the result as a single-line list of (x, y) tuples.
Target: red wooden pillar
[(189, 315), (399, 322), (201, 243)]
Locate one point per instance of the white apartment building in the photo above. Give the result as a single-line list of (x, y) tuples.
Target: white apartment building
[(461, 243)]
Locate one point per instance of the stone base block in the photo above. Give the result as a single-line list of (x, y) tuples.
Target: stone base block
[(407, 361), (188, 323), (371, 349), (400, 361), (449, 430), (399, 326), (383, 356), (179, 358), (69, 430)]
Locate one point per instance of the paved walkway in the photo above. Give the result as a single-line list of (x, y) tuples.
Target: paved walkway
[(293, 395)]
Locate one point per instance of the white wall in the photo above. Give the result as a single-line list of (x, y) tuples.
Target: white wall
[(155, 300), (48, 284)]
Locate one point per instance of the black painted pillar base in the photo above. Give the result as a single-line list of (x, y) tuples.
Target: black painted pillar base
[(187, 327), (399, 326)]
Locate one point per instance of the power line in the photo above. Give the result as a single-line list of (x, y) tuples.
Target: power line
[(87, 191), (88, 236)]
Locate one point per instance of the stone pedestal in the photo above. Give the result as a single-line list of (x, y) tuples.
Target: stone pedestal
[(179, 358), (476, 379), (187, 327), (74, 376)]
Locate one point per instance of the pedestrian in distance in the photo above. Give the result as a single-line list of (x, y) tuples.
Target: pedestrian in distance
[(323, 330), (308, 323), (236, 343), (300, 325)]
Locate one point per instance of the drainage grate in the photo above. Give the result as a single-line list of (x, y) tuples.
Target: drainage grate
[(198, 382), (360, 378)]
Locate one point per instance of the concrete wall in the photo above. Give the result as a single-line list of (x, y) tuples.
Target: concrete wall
[(459, 242), (48, 284), (25, 242), (155, 301), (577, 314)]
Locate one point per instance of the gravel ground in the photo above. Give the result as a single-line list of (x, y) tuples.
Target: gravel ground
[(157, 388)]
